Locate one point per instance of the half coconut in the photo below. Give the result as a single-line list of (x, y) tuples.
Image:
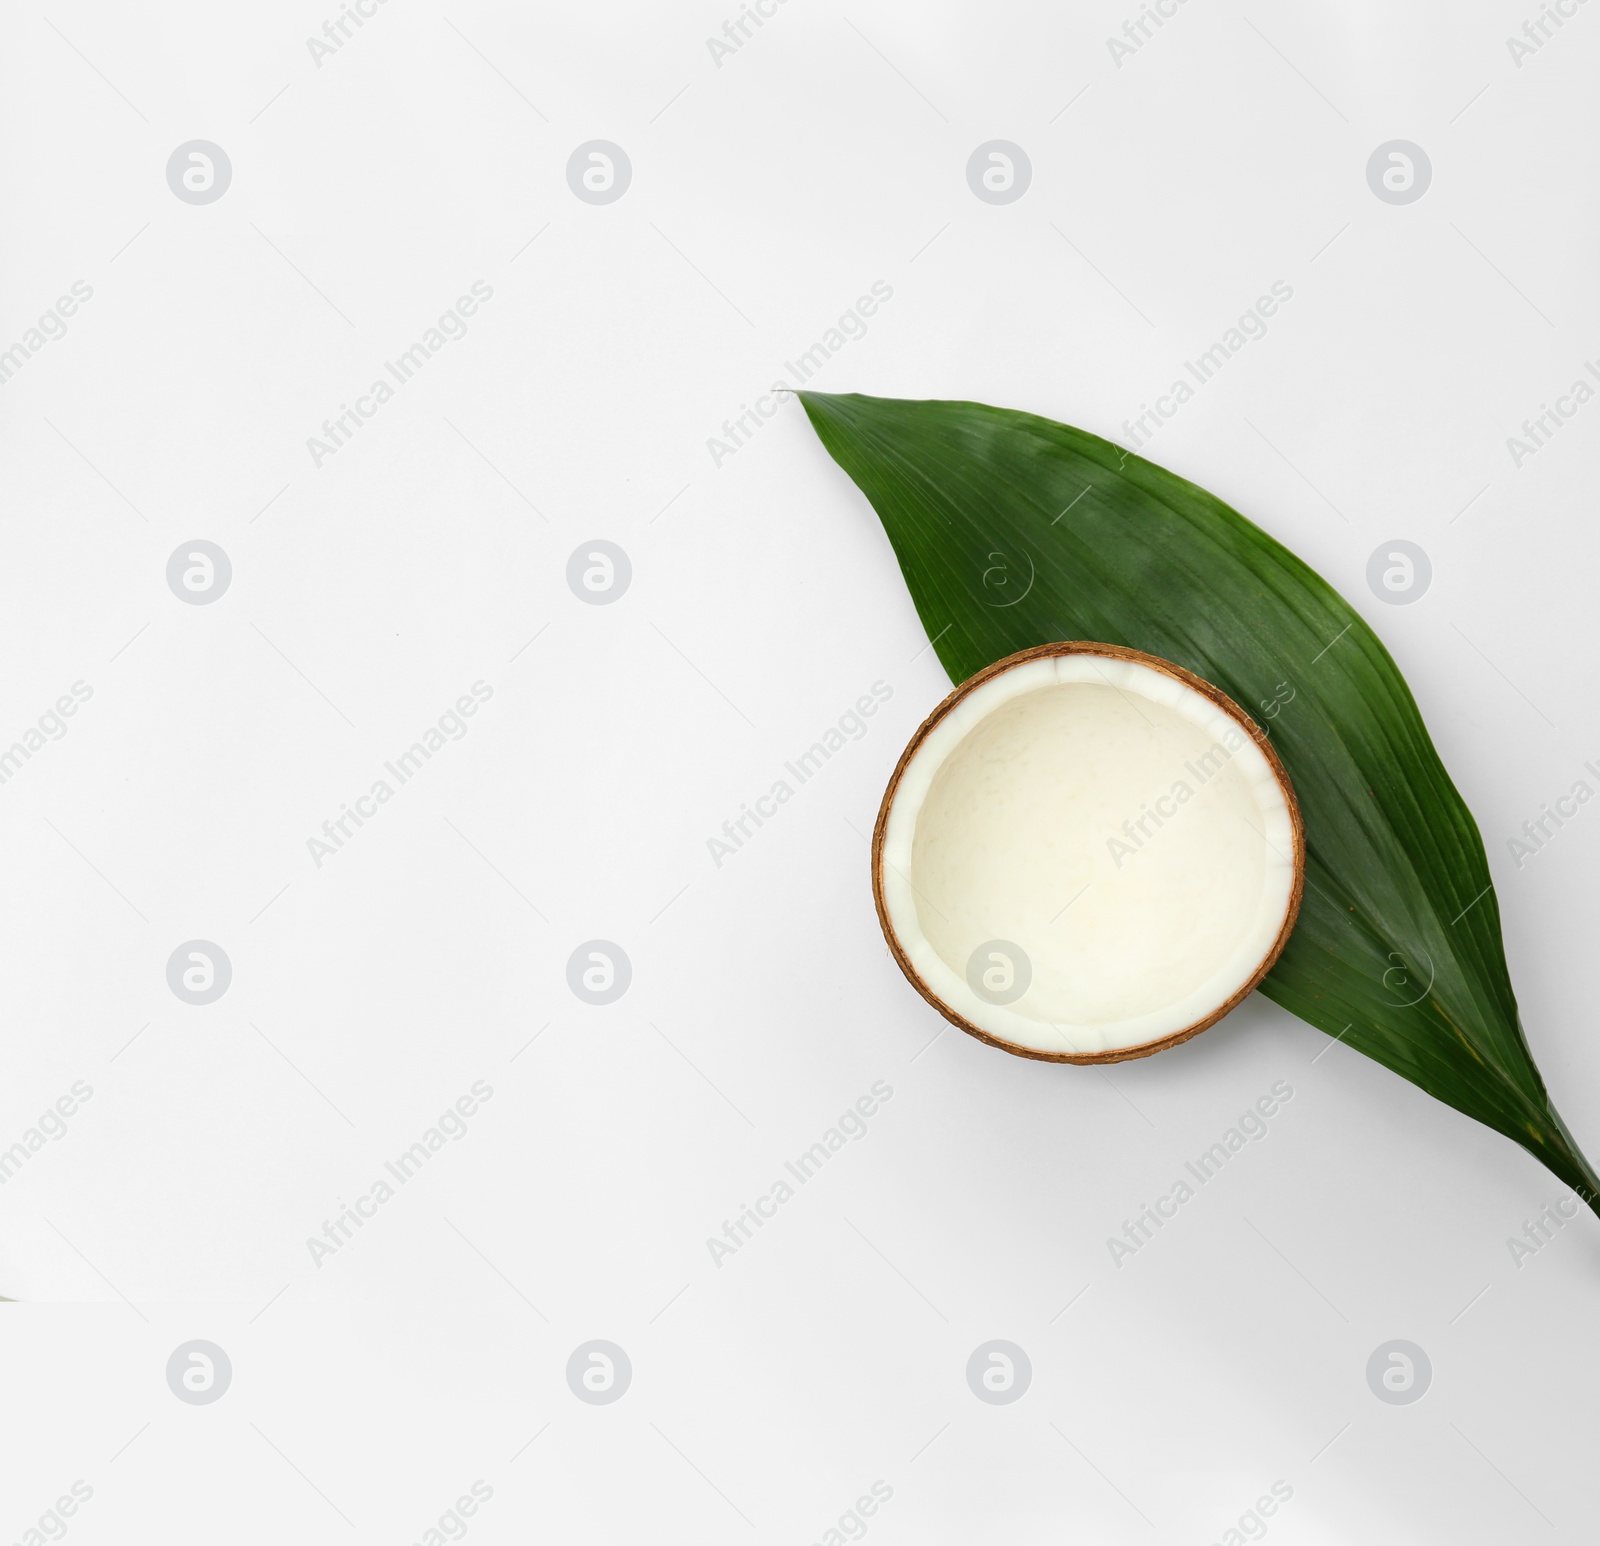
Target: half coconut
[(1087, 854)]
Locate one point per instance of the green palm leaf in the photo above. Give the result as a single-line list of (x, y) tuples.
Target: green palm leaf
[(1013, 531)]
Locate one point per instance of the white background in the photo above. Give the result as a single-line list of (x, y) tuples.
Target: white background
[(771, 1391)]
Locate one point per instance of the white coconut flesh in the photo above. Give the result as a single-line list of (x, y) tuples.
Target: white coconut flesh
[(1086, 855)]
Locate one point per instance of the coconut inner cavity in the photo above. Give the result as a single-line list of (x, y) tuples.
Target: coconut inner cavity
[(1113, 845)]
